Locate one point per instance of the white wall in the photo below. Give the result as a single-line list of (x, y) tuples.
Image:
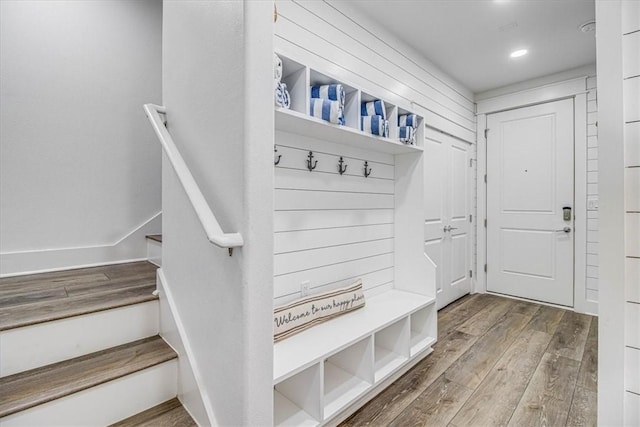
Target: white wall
[(631, 93), (217, 88), (79, 164), (611, 323)]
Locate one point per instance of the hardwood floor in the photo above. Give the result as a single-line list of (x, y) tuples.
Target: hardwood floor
[(497, 362), (167, 414)]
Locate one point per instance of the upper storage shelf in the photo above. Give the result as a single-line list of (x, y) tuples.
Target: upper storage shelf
[(302, 124), (298, 119)]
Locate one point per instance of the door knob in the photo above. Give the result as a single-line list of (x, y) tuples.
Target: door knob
[(449, 228), (566, 230)]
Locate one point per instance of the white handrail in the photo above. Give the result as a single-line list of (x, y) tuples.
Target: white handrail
[(208, 220)]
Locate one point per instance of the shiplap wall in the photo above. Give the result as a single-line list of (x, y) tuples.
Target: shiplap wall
[(332, 229), (592, 191), (333, 38), (631, 93)]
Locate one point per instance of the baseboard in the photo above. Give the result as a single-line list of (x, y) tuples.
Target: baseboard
[(591, 307), (190, 392), (131, 247)]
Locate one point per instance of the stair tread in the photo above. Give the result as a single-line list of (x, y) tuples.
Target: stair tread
[(155, 237), (51, 296), (37, 386), (30, 314), (168, 414)]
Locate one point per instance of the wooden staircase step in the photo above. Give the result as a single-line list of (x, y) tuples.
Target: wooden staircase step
[(168, 414), (42, 297), (35, 387), (155, 237), (30, 314), (111, 271)]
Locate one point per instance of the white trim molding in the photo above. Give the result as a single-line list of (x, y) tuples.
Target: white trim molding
[(538, 95), (575, 88), (131, 247)]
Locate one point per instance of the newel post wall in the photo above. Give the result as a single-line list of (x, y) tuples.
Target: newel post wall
[(217, 89)]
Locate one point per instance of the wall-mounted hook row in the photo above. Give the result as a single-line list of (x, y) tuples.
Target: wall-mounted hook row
[(367, 172), (311, 166), (275, 150), (341, 170)]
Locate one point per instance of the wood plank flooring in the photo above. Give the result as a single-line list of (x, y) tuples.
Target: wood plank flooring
[(168, 414), (36, 298), (497, 362)]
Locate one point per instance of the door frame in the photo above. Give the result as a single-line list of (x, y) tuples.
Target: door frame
[(575, 89)]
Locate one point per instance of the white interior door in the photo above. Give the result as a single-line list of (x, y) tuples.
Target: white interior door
[(447, 230), (529, 182)]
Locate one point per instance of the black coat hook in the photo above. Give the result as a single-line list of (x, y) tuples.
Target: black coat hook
[(367, 172), (310, 160), (275, 150), (340, 169)]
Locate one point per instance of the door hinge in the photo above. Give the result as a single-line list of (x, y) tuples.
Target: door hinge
[(485, 268), (470, 273), (486, 132), (471, 162), (485, 223), (470, 218), (485, 178)]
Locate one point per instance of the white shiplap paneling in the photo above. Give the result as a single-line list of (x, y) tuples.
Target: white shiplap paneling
[(592, 190), (630, 58), (632, 369), (632, 325), (631, 89), (632, 144), (322, 36), (632, 278), (331, 229)]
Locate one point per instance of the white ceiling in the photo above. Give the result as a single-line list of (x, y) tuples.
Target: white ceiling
[(471, 39)]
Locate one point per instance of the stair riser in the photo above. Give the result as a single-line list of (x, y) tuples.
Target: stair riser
[(154, 252), (38, 345), (104, 404)]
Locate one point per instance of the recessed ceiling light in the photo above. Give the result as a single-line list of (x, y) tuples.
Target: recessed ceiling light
[(518, 53)]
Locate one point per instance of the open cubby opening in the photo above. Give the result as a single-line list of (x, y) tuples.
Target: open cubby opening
[(347, 375), (295, 76), (352, 96), (391, 348), (422, 329), (391, 112), (419, 127), (297, 399)]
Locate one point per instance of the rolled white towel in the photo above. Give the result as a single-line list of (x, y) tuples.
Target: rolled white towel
[(373, 108), (408, 120), (326, 109), (375, 125), (281, 95), (334, 92), (407, 134)]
